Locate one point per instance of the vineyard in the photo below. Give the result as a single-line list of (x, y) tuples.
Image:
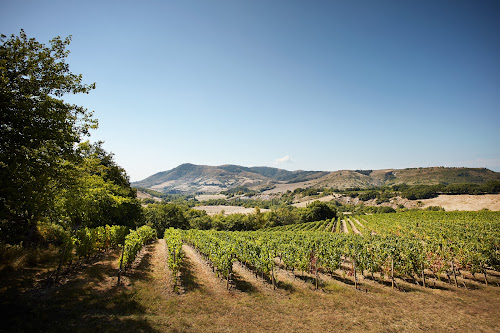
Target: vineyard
[(400, 272), (411, 246), (88, 242)]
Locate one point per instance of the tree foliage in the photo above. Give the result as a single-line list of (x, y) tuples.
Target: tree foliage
[(98, 192), (317, 211), (44, 173), (163, 216)]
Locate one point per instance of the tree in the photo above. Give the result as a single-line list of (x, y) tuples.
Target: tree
[(281, 216), (318, 211), (98, 192), (163, 216), (38, 129)]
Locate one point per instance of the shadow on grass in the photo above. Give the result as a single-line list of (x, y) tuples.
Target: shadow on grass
[(75, 309), (78, 305), (286, 286), (143, 269), (306, 278), (342, 279), (187, 278), (242, 285)]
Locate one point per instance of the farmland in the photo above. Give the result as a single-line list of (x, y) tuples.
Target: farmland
[(280, 279)]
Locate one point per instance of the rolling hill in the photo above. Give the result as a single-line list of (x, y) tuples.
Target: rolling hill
[(191, 178)]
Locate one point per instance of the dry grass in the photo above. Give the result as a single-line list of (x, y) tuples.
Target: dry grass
[(15, 257), (465, 202), (147, 303), (206, 197), (144, 195), (306, 201), (214, 210)]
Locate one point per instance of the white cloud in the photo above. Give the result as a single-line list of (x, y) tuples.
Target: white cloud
[(284, 159)]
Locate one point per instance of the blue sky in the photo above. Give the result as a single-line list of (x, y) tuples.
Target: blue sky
[(315, 85)]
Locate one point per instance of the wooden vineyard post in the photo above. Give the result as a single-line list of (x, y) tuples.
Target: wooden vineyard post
[(392, 272), (355, 276), (229, 274), (273, 279), (121, 265), (423, 274), (316, 274), (485, 277), (342, 265), (454, 274)]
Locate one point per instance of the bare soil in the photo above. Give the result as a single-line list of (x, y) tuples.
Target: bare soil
[(306, 201), (465, 202), (357, 221), (354, 229), (143, 195), (204, 276), (282, 188), (205, 197), (343, 227)]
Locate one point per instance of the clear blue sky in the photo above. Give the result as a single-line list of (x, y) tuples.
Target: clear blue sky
[(315, 85)]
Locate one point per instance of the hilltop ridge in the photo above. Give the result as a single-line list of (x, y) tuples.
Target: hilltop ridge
[(192, 178)]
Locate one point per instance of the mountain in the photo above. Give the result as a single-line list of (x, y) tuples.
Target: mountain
[(411, 176), (191, 178)]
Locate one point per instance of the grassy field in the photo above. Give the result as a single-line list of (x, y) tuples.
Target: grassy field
[(89, 300)]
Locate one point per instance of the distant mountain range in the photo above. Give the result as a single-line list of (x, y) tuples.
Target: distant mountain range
[(191, 178)]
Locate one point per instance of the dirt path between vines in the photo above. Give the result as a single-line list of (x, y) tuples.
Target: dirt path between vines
[(343, 227), (198, 273), (160, 274), (354, 229), (357, 221), (246, 281)]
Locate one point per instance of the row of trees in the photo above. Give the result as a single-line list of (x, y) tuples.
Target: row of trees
[(431, 191), (162, 216)]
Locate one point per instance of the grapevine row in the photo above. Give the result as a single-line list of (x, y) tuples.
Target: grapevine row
[(86, 242), (316, 252), (173, 240)]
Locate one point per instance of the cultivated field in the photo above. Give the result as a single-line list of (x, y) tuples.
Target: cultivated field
[(90, 301), (315, 277), (465, 202), (214, 210), (204, 197)]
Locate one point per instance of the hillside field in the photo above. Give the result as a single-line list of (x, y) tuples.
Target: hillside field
[(448, 202), (90, 302), (150, 300)]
